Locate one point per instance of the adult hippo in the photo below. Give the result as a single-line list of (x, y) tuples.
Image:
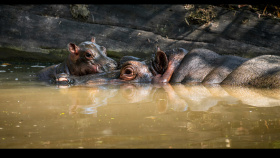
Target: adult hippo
[(86, 58), (197, 66)]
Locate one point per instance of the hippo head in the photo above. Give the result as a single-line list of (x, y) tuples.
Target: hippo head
[(88, 58), (135, 71), (159, 70)]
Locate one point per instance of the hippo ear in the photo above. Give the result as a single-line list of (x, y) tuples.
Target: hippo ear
[(158, 49), (73, 48), (160, 63), (93, 39)]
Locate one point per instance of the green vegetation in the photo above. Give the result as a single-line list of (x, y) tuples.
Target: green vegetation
[(80, 11), (263, 10), (201, 14)]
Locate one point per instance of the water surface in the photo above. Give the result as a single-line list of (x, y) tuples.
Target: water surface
[(37, 115)]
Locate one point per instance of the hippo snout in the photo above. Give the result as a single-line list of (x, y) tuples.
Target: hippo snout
[(112, 65)]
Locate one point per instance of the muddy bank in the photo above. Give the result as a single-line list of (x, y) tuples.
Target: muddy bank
[(42, 32)]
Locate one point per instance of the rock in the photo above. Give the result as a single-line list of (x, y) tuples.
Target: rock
[(42, 32)]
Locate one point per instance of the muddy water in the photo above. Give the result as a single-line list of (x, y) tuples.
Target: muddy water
[(37, 115)]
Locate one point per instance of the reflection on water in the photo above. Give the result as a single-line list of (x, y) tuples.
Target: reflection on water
[(36, 115)]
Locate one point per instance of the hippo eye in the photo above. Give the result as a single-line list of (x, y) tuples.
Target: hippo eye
[(128, 73), (89, 55)]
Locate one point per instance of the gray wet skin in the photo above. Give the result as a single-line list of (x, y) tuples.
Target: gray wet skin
[(197, 66)]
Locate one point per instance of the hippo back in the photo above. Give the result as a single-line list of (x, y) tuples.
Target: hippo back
[(261, 71), (225, 65), (195, 66)]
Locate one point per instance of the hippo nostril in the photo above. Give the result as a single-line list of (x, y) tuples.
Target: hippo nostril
[(100, 68)]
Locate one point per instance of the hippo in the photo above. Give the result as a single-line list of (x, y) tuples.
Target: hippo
[(159, 69), (86, 58), (197, 66)]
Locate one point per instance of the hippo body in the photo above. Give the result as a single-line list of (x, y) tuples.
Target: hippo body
[(86, 58), (50, 73), (206, 66), (198, 66), (261, 71), (195, 66)]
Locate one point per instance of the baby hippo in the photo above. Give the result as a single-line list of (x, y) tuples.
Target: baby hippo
[(85, 58)]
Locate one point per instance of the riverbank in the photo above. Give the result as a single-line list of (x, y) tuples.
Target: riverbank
[(42, 32)]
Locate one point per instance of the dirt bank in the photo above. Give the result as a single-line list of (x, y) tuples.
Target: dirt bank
[(42, 32)]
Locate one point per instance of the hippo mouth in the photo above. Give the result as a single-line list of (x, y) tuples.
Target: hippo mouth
[(90, 69), (93, 69)]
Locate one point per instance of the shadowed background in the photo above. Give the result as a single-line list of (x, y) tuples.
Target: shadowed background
[(41, 33)]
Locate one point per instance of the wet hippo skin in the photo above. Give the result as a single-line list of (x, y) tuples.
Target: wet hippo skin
[(86, 58), (203, 65), (198, 66), (207, 67), (261, 71)]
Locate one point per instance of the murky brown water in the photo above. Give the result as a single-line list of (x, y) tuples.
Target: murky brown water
[(36, 115)]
